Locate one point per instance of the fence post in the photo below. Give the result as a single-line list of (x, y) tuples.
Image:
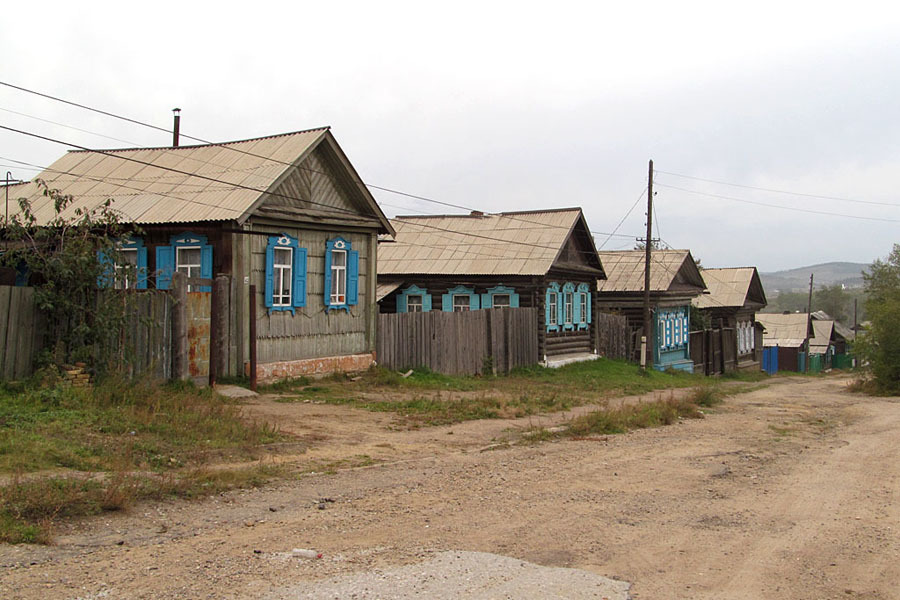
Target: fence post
[(218, 327), (179, 327), (252, 330)]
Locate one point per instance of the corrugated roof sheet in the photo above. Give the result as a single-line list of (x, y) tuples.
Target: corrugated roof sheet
[(383, 289), (625, 270), (166, 185), (822, 339), (788, 331), (727, 287), (518, 243)]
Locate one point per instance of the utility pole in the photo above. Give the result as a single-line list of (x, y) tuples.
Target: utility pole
[(808, 319), (648, 329)]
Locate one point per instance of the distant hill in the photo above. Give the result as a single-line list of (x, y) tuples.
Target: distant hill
[(797, 280)]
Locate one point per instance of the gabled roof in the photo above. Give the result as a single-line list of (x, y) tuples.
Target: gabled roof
[(209, 182), (735, 287), (839, 328), (823, 330), (670, 271), (787, 331), (509, 243)]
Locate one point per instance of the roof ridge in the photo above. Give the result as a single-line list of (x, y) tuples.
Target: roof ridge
[(483, 215), (195, 146)]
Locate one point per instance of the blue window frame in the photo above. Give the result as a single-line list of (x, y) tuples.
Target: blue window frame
[(341, 275), (673, 327), (487, 299), (568, 306), (125, 265), (583, 302), (551, 307), (285, 274), (188, 253), (455, 299), (413, 299)]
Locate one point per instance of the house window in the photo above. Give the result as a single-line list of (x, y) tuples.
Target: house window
[(341, 275), (414, 303), (285, 274), (338, 277), (187, 253), (500, 301), (188, 260), (413, 299), (124, 267), (460, 298), (552, 308), (582, 305), (282, 268), (568, 308), (460, 303), (500, 296), (583, 308)]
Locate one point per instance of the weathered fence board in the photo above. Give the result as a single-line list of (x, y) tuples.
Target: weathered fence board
[(20, 334), (714, 351), (461, 343)]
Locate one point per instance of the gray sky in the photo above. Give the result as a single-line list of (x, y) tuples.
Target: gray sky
[(513, 106)]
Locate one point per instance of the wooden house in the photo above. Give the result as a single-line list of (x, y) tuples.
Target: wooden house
[(735, 296), (675, 281), (544, 259), (285, 213), (788, 334)]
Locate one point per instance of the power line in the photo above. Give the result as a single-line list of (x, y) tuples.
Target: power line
[(623, 218), (776, 191), (802, 210)]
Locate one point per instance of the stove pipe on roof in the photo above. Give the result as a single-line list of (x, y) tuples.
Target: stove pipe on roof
[(177, 127)]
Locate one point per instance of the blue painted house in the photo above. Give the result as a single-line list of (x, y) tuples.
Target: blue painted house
[(674, 281), (544, 259)]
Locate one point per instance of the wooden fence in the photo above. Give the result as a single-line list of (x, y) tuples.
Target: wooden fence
[(714, 351), (21, 331), (614, 339), (143, 345), (460, 343)]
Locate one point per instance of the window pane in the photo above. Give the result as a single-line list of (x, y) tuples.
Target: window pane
[(460, 303), (338, 258), (283, 256), (414, 303), (188, 257), (501, 300)]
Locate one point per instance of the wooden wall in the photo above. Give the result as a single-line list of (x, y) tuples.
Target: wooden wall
[(20, 331)]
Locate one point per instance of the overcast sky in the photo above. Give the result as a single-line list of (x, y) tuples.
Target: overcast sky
[(512, 106)]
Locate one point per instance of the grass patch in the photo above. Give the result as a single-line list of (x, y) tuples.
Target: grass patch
[(30, 507), (122, 426), (633, 416)]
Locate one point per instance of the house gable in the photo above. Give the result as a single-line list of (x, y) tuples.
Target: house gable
[(578, 251)]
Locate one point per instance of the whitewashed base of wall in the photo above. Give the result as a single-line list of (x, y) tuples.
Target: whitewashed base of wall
[(312, 367)]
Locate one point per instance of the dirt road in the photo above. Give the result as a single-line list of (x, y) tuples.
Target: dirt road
[(792, 491)]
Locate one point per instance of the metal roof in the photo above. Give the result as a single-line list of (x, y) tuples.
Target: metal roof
[(513, 243), (670, 270), (210, 182), (728, 287), (839, 328), (787, 331), (383, 289), (823, 330)]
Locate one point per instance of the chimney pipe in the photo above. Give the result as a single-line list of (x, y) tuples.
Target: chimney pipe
[(177, 127)]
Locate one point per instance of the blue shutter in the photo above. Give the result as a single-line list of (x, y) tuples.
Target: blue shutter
[(426, 302), (270, 274), (487, 300), (589, 307), (299, 292), (107, 276), (141, 283), (473, 301), (401, 303), (327, 292), (353, 277), (206, 267), (165, 265), (447, 302), (514, 300)]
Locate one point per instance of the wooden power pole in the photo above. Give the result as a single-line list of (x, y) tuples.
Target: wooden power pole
[(648, 329), (808, 320)]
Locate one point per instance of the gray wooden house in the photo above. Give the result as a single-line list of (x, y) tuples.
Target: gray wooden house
[(286, 213), (735, 296), (675, 281), (544, 259)]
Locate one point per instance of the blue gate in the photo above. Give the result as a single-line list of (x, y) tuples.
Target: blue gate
[(770, 360)]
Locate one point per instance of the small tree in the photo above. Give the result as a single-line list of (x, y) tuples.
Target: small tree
[(833, 300), (62, 257), (880, 345)]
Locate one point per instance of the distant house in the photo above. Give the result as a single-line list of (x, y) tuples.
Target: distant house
[(787, 334), (840, 338), (735, 296), (287, 213), (544, 259), (675, 281)]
